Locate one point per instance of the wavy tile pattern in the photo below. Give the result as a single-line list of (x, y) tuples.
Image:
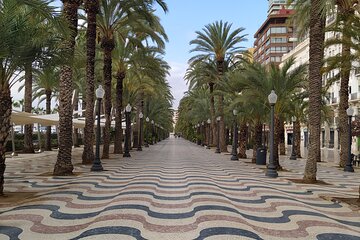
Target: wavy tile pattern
[(175, 190)]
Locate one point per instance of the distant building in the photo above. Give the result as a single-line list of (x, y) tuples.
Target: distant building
[(275, 36)]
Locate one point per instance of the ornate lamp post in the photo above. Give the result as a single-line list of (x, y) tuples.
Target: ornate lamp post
[(152, 132), (349, 167), (139, 148), (271, 169), (218, 135), (293, 152), (209, 132), (198, 134), (203, 133), (234, 156), (97, 162), (147, 132), (127, 131), (14, 153)]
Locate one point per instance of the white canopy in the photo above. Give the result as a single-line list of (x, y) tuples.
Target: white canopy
[(22, 118)]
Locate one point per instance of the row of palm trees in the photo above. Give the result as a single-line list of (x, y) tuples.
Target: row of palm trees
[(222, 78), (63, 56)]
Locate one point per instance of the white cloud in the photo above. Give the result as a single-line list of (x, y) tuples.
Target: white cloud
[(177, 82)]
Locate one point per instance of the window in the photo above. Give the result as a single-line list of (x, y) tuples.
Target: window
[(278, 30), (278, 40), (278, 49)]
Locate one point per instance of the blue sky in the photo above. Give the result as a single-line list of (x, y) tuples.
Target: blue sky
[(187, 16)]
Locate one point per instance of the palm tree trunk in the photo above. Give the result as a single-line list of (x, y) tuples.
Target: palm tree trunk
[(258, 139), (107, 45), (212, 113), (28, 142), (63, 164), (223, 143), (91, 8), (277, 133), (5, 113), (76, 108), (242, 140), (297, 130), (316, 53), (282, 137), (120, 76), (48, 128), (344, 88)]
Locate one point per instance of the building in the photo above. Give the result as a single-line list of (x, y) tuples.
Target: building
[(329, 130), (274, 37), (275, 6)]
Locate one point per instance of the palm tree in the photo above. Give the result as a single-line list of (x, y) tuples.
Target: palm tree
[(63, 164), (316, 54), (218, 42), (11, 45), (45, 85), (92, 9), (204, 73), (344, 19)]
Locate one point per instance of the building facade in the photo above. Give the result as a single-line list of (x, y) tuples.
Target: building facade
[(273, 38), (329, 130)]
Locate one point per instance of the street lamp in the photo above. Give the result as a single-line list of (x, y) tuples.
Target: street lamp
[(349, 167), (97, 162), (198, 134), (209, 138), (152, 132), (271, 169), (234, 156), (293, 152), (147, 132), (139, 148), (127, 131), (218, 135), (203, 134)]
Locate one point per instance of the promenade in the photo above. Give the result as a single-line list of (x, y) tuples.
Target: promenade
[(175, 190)]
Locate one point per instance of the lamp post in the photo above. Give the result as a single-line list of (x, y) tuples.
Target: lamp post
[(147, 132), (209, 132), (234, 156), (13, 154), (127, 131), (198, 134), (139, 148), (349, 167), (97, 162), (152, 132), (271, 169), (203, 133), (218, 135), (293, 152)]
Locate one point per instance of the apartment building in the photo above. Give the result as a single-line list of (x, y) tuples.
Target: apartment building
[(274, 38), (329, 130)]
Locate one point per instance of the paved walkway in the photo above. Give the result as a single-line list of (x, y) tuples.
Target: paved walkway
[(175, 190)]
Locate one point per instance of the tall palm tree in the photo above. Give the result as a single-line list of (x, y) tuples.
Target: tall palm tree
[(205, 73), (63, 164), (11, 45), (92, 9), (218, 42), (316, 54), (45, 86), (344, 23)]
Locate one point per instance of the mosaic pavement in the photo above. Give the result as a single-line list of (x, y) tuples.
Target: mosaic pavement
[(175, 190)]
